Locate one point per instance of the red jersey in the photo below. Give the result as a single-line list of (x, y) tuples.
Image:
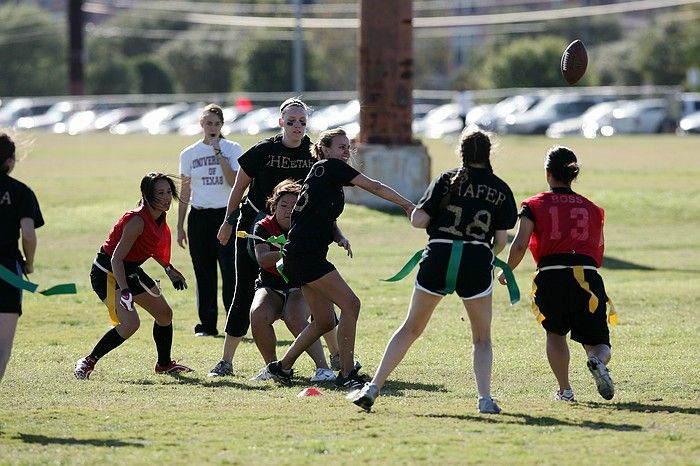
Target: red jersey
[(269, 227), (153, 242), (565, 223)]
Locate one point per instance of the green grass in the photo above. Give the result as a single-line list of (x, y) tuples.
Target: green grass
[(127, 414)]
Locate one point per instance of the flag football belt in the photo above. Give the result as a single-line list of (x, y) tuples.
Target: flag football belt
[(453, 267), (580, 277), (111, 292), (15, 280)]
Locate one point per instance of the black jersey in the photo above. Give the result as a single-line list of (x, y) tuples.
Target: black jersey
[(481, 205), (269, 162), (320, 203), (17, 201)]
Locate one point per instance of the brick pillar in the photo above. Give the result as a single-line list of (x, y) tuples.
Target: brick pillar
[(386, 71)]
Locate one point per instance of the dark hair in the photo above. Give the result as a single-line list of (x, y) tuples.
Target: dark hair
[(325, 139), (474, 147), (7, 151), (293, 102), (561, 162), (148, 184), (287, 186)]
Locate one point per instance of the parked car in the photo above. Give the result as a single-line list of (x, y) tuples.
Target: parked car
[(58, 112), (254, 122), (690, 124), (589, 124), (441, 120), (642, 117), (15, 109), (334, 116), (552, 108), (494, 118)]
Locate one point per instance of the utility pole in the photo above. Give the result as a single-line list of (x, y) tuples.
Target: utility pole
[(387, 151), (298, 52), (75, 53)]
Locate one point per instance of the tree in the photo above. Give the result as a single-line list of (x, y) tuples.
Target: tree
[(33, 50), (527, 62), (115, 76), (154, 78), (662, 56), (199, 66), (267, 66)]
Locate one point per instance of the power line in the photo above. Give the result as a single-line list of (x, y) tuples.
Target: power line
[(418, 22)]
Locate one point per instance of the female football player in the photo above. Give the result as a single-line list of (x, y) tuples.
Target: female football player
[(19, 213), (466, 212), (564, 231), (262, 167), (320, 203), (120, 282), (274, 298)]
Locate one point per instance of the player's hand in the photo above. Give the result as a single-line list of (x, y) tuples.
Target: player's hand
[(126, 299), (408, 208), (345, 244), (224, 234), (27, 267), (176, 277), (181, 237), (502, 278)]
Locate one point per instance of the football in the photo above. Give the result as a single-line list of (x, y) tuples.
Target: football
[(574, 61)]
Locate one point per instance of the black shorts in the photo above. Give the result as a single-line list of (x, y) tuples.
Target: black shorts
[(10, 296), (301, 269), (137, 280), (567, 307), (474, 276)]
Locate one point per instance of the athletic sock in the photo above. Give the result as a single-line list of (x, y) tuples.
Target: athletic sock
[(163, 336), (107, 343)]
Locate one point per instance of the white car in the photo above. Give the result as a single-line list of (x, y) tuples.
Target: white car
[(590, 124), (555, 107), (642, 117)]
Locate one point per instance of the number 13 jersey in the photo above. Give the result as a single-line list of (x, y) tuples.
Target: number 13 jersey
[(565, 223)]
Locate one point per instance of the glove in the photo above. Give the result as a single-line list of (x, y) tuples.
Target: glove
[(176, 277), (126, 299)]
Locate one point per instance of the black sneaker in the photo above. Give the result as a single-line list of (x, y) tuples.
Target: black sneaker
[(280, 375), (353, 380)]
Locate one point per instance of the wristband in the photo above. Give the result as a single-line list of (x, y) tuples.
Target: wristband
[(233, 218)]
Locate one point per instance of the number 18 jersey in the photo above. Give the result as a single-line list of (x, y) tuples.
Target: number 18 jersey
[(481, 205), (565, 223)]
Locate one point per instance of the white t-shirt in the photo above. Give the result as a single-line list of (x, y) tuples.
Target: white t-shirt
[(210, 190)]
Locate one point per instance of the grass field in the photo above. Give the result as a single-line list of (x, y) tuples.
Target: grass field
[(127, 414)]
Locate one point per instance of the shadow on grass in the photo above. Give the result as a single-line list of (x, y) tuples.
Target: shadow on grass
[(210, 382), (93, 442), (396, 387), (642, 408), (544, 421), (618, 264)]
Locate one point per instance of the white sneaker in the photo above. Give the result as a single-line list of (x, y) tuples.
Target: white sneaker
[(323, 374), (488, 406), (264, 374), (564, 395), (602, 378)]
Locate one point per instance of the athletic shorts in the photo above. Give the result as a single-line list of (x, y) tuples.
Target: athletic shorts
[(474, 275), (10, 296), (301, 269), (566, 304), (137, 280)]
